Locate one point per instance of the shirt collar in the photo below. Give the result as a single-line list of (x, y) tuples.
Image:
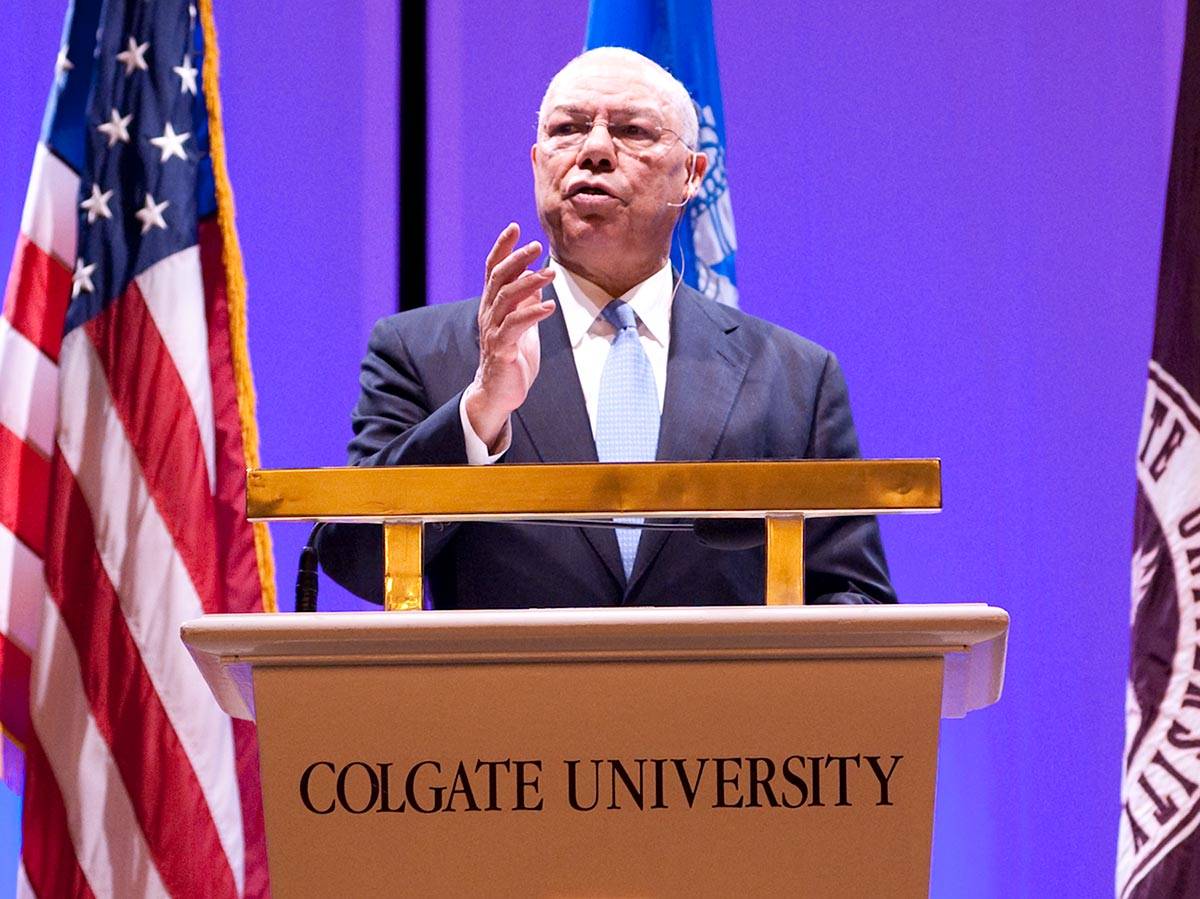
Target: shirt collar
[(581, 302)]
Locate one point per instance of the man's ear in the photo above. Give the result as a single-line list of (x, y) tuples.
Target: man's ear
[(699, 167), (533, 155)]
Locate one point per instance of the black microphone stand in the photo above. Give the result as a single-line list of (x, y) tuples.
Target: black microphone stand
[(306, 575)]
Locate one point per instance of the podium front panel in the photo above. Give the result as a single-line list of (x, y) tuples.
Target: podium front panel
[(752, 776)]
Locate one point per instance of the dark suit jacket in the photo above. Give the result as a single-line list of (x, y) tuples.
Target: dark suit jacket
[(737, 388)]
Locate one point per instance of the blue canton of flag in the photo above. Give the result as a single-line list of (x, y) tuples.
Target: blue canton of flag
[(678, 35), (148, 170)]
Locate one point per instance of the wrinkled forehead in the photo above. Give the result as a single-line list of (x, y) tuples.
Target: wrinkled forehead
[(592, 87)]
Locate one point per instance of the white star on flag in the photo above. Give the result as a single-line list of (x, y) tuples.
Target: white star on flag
[(81, 281), (116, 128), (171, 143), (62, 65), (134, 57), (150, 215), (96, 205), (187, 75)]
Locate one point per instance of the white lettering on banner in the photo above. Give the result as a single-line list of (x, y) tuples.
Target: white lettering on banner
[(1160, 791)]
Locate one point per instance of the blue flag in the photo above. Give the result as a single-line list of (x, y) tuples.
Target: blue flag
[(678, 35)]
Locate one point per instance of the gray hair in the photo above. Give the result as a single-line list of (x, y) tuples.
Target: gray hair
[(672, 88)]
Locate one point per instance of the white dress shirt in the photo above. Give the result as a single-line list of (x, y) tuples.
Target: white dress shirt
[(591, 338)]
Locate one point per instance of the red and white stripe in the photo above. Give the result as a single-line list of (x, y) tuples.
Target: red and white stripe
[(39, 286), (115, 528)]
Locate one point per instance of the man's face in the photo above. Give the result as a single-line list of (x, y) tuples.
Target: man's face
[(607, 163)]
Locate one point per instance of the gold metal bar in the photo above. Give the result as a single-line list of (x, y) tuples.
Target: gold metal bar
[(402, 591), (594, 490), (785, 561)]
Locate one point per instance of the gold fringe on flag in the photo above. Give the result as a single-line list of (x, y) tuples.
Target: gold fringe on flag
[(235, 278)]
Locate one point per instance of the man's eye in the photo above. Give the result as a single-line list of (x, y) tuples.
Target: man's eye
[(632, 132), (564, 128)]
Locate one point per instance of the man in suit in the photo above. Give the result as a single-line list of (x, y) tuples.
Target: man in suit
[(603, 355)]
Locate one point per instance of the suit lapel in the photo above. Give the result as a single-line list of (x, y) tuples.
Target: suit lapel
[(554, 417), (705, 369)]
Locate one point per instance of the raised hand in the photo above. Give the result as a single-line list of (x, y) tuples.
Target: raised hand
[(509, 351)]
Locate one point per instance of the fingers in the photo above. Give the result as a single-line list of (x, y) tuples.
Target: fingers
[(508, 269), (509, 309), (512, 300), (517, 293), (502, 247), (522, 319)]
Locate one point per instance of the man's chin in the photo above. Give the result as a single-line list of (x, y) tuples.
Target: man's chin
[(602, 225)]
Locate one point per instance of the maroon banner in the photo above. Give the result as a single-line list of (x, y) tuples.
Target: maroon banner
[(1159, 844)]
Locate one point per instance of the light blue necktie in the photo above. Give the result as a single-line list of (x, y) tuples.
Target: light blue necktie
[(627, 413)]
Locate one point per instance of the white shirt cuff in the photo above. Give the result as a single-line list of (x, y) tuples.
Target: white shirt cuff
[(477, 451)]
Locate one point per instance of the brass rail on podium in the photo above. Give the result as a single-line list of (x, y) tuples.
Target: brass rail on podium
[(784, 493)]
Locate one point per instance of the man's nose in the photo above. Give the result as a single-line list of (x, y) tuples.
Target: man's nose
[(597, 153)]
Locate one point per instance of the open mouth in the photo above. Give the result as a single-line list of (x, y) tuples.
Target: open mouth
[(588, 190)]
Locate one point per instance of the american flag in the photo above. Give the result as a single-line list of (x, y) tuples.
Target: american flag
[(126, 426)]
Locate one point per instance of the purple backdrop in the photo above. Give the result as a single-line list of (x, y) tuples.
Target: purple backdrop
[(964, 202)]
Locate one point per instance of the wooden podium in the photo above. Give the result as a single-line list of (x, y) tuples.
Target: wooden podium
[(767, 751), (715, 752)]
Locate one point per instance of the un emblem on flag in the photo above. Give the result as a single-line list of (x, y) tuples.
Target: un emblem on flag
[(711, 214)]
